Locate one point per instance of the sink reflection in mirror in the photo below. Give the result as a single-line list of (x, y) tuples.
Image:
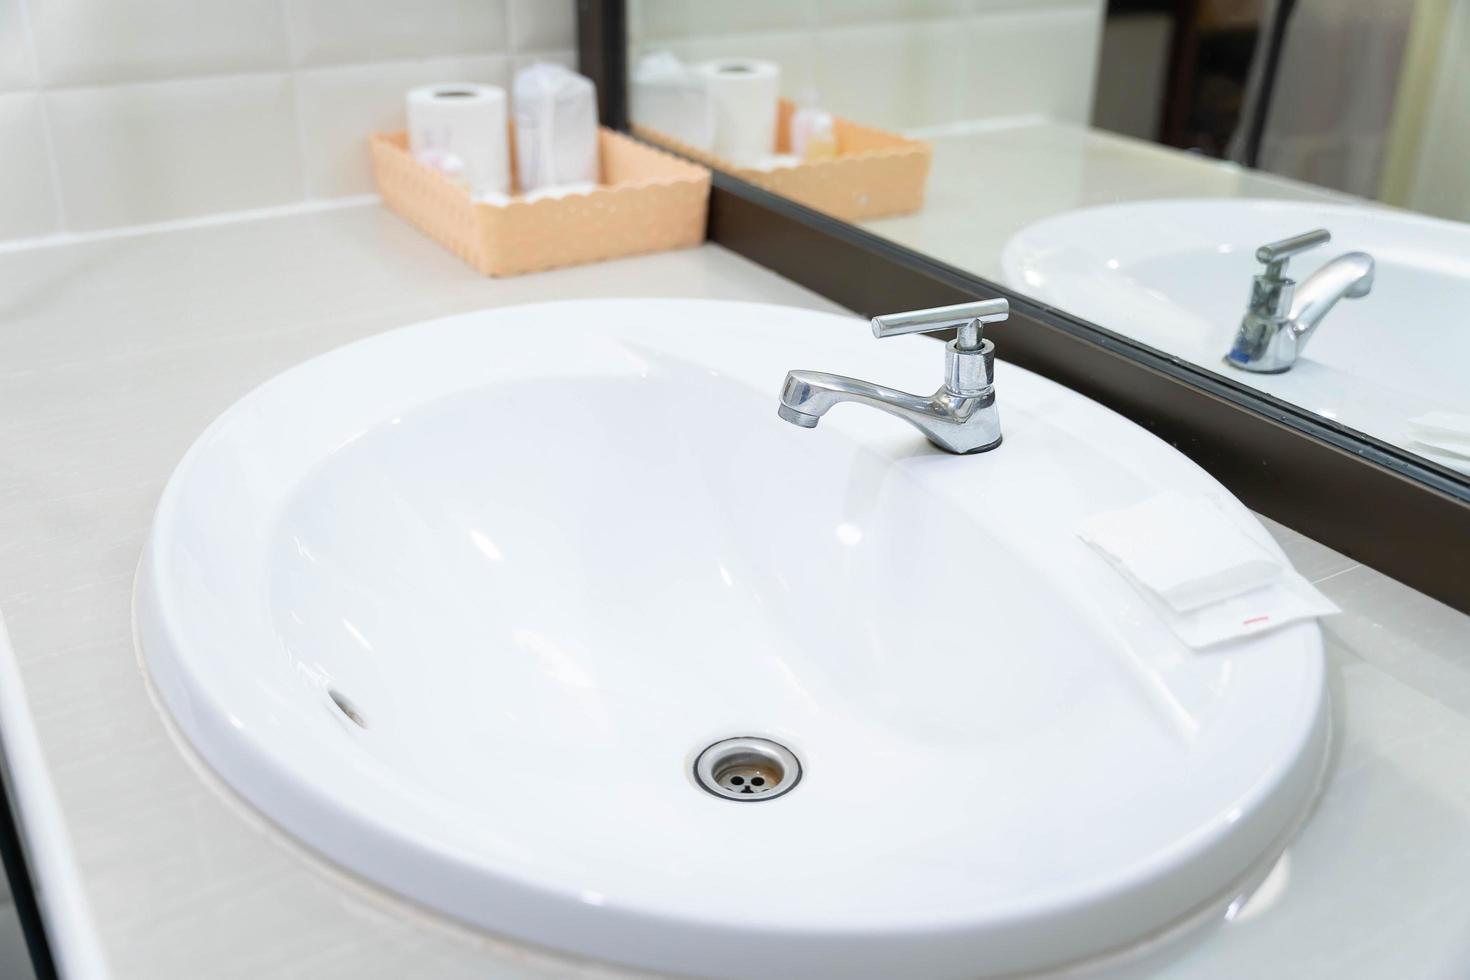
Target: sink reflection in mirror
[(1176, 275), (1122, 163)]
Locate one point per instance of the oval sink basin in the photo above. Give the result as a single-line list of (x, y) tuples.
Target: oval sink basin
[(462, 606), (1176, 274)]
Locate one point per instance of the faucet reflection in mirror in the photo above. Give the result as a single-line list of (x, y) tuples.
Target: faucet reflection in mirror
[(1281, 317), (959, 418)]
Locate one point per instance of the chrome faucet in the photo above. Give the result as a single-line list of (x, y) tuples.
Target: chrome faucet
[(1282, 315), (959, 418)]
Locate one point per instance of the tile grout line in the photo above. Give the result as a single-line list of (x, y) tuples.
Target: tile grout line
[(52, 162), (310, 201), (297, 125), (1341, 571), (970, 18), (186, 224), (298, 128), (293, 68)]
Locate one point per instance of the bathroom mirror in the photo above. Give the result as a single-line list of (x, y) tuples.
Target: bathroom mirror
[(1122, 163)]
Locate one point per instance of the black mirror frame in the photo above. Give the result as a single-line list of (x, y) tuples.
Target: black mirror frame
[(1378, 504)]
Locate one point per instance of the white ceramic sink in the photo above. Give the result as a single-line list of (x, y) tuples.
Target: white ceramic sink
[(1176, 274), (459, 605)]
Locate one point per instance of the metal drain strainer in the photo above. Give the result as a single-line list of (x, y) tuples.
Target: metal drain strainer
[(747, 769)]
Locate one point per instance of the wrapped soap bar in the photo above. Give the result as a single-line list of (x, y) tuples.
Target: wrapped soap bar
[(556, 127)]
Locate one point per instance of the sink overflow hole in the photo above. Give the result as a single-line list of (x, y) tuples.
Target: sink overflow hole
[(345, 705), (747, 769)]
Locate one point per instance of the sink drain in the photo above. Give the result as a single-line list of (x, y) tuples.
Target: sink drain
[(747, 769)]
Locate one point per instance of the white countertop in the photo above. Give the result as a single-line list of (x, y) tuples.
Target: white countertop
[(115, 353)]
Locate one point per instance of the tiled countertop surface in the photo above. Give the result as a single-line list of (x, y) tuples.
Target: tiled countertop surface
[(115, 354)]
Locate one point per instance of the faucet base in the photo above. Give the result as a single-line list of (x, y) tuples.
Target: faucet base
[(1253, 367), (969, 452)]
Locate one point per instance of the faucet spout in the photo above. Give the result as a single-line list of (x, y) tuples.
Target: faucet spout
[(954, 423), (1348, 276), (808, 395)]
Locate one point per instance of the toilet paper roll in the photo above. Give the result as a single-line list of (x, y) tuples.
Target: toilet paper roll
[(468, 121), (743, 94)]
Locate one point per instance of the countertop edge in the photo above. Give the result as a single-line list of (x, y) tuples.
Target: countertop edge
[(71, 932)]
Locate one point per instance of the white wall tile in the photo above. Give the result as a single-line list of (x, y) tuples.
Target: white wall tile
[(858, 11), (340, 106), (27, 197), (543, 25), (235, 127), (87, 42), (17, 62), (987, 6), (334, 32), (791, 52), (900, 63), (565, 57), (898, 75), (660, 20), (1036, 61), (130, 154)]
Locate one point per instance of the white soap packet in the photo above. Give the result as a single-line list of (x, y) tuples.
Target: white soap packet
[(1185, 550), (1448, 432), (1289, 599), (1207, 578)]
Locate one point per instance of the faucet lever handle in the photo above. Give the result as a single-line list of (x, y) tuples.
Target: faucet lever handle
[(968, 318), (1275, 254)]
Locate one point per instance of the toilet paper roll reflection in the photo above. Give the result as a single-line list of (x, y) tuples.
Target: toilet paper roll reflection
[(743, 94)]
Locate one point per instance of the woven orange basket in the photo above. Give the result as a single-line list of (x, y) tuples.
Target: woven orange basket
[(649, 201), (875, 174)]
